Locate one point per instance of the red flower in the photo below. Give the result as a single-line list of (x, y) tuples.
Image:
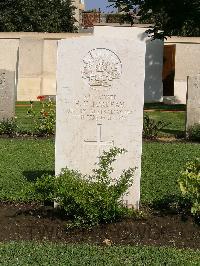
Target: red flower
[(41, 97)]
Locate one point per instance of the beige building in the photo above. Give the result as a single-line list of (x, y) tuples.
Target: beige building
[(182, 60)]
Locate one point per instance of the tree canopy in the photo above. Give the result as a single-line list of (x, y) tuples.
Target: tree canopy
[(171, 17), (37, 15)]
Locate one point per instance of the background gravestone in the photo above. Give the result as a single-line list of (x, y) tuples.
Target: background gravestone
[(7, 94), (193, 101), (100, 98)]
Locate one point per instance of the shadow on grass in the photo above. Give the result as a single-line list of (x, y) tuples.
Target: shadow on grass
[(179, 134), (32, 176), (162, 106), (172, 205)]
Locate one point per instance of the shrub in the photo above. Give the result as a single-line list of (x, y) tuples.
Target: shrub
[(189, 183), (44, 120), (28, 15), (8, 127), (193, 133), (152, 127), (89, 200)]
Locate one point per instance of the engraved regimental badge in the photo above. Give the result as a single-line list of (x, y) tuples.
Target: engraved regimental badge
[(100, 67)]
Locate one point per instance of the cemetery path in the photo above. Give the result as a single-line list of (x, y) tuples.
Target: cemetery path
[(33, 222)]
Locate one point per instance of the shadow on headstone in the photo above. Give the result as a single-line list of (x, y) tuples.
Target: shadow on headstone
[(153, 86)]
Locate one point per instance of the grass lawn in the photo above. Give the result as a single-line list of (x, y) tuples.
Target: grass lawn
[(22, 161), (161, 165), (175, 121), (52, 254), (24, 122)]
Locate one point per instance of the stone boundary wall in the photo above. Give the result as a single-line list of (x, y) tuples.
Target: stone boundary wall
[(32, 56), (187, 63)]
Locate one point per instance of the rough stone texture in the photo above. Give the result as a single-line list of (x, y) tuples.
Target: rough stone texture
[(7, 94), (100, 98), (193, 101)]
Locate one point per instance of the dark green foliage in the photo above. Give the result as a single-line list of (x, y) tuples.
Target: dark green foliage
[(189, 183), (152, 127), (8, 127), (26, 253), (177, 17), (36, 15), (44, 188), (193, 133), (89, 200)]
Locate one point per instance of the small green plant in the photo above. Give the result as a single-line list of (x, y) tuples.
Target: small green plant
[(193, 133), (152, 127), (189, 183), (44, 121), (8, 127), (89, 200)]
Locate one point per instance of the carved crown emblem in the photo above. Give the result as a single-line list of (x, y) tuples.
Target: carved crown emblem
[(100, 67)]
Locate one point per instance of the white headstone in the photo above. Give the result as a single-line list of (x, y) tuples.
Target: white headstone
[(7, 94), (100, 96), (193, 101)]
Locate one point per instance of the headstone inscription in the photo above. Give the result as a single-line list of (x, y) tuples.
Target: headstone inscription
[(193, 101), (7, 94), (100, 95)]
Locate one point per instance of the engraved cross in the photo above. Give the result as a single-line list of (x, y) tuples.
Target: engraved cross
[(99, 142)]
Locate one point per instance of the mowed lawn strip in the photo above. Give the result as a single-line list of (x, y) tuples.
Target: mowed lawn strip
[(24, 122), (161, 166), (22, 161), (26, 253), (175, 122)]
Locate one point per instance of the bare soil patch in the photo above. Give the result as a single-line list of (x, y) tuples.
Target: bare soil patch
[(41, 223)]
